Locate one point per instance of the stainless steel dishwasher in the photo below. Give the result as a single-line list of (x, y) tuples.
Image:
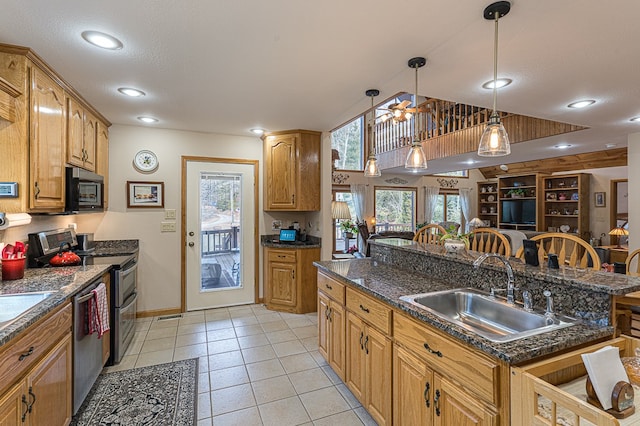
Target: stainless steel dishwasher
[(87, 348)]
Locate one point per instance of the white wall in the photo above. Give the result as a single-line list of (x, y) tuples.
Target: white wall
[(633, 152), (159, 270)]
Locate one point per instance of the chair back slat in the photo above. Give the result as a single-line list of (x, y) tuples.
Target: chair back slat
[(488, 240), (430, 234), (629, 262)]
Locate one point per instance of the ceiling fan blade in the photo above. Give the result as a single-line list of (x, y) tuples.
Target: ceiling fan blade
[(404, 104)]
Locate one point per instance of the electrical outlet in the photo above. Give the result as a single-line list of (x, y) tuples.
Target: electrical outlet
[(167, 227), (170, 214)]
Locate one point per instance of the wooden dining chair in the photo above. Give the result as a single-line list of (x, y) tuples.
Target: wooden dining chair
[(571, 250), (430, 234), (488, 240), (635, 271)]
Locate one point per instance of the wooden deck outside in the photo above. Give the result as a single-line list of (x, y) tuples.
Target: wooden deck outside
[(230, 269)]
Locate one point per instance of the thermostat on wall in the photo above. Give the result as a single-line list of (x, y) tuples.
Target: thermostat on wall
[(8, 189)]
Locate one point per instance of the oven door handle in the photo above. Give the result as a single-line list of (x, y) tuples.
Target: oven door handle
[(130, 300), (126, 272)]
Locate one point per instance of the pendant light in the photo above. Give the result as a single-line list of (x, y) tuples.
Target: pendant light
[(416, 159), (495, 141), (372, 169)]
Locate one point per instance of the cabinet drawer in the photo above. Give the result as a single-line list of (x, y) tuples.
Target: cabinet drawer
[(288, 256), (474, 371), (331, 288), (27, 349), (370, 310)]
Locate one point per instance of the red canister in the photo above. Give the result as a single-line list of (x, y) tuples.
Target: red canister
[(12, 269)]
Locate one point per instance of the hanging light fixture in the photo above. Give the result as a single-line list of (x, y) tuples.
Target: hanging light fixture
[(495, 141), (372, 169), (416, 159)]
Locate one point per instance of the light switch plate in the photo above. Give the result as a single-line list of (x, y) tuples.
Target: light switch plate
[(167, 227), (170, 213)]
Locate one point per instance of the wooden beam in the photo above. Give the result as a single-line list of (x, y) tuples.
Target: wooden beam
[(589, 160)]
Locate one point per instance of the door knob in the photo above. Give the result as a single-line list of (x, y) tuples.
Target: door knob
[(191, 244), (191, 234)]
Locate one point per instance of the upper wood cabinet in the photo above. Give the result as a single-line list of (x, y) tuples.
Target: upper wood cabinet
[(81, 136), (45, 114), (102, 159), (292, 176)]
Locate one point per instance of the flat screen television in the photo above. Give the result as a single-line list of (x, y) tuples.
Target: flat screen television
[(528, 211), (518, 211)]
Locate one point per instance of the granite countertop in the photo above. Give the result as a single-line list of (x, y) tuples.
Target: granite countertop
[(63, 282), (273, 242), (387, 283), (116, 247)]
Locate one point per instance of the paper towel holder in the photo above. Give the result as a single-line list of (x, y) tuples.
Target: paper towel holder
[(9, 220)]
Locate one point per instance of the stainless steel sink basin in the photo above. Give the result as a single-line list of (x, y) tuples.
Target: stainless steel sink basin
[(489, 317), (14, 305)]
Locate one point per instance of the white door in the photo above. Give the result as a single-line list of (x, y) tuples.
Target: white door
[(220, 234)]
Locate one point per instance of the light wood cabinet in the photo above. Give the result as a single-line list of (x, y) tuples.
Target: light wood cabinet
[(331, 326), (488, 203), (290, 279), (368, 368), (566, 204), (106, 337), (36, 373), (292, 171), (82, 134), (102, 159), (47, 143), (34, 138)]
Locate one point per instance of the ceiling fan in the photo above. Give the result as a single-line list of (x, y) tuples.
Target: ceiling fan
[(399, 112)]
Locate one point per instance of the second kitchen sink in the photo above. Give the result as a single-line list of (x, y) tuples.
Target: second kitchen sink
[(489, 317)]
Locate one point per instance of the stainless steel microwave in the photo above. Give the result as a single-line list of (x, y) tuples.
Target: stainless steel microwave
[(84, 191)]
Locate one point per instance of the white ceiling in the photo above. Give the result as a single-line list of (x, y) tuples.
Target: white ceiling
[(227, 66)]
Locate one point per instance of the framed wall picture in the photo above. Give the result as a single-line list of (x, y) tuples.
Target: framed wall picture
[(601, 200), (145, 194)]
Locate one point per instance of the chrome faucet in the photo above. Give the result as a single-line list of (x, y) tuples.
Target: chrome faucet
[(511, 299), (549, 313)]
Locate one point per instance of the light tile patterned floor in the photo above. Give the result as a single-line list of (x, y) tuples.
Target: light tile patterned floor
[(256, 367)]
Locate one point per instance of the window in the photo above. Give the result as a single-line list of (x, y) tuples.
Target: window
[(395, 209), (348, 140), (338, 235), (448, 208)]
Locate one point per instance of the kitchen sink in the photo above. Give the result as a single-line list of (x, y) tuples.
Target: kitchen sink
[(14, 305), (487, 316)]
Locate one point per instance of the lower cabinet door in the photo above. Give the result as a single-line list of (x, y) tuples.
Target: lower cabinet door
[(323, 326), (355, 357), (453, 406), (412, 389), (337, 339), (14, 406), (49, 387), (377, 349)]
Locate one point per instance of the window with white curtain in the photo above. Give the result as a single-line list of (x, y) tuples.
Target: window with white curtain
[(338, 237), (448, 208), (395, 209)]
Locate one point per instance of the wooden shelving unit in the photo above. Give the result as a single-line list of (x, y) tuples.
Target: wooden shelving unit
[(519, 205), (566, 204), (488, 202)]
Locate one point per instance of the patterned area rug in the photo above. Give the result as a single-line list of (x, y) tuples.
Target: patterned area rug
[(163, 394)]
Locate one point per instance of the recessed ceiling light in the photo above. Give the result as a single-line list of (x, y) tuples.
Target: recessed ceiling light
[(501, 82), (635, 119), (470, 162), (102, 40), (581, 104), (257, 131), (504, 167), (134, 93), (148, 119), (611, 145), (563, 146)]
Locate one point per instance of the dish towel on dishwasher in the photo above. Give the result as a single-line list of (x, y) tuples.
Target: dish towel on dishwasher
[(98, 310)]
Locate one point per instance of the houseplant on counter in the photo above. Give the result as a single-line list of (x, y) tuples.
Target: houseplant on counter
[(454, 242), (516, 193)]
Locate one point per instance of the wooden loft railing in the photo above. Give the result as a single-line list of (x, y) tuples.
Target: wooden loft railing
[(449, 128)]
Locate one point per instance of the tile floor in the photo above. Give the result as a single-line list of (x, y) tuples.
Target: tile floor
[(256, 367)]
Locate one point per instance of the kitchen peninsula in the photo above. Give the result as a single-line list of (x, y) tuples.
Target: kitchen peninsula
[(460, 368)]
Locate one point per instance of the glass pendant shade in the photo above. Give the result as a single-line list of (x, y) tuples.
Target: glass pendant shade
[(416, 160), (494, 141), (372, 169)]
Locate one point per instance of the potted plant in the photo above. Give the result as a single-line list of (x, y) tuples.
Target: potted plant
[(348, 228), (454, 242), (516, 193)]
